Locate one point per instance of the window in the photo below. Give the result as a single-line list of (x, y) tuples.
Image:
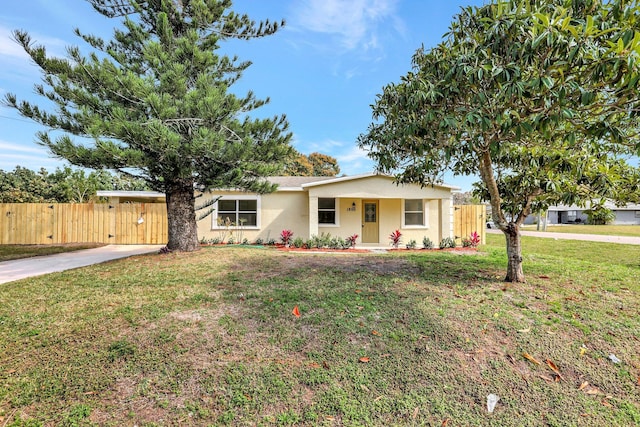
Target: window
[(237, 212), (327, 211), (414, 213), (637, 214)]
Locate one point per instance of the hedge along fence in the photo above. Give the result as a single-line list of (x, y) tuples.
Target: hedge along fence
[(60, 223)]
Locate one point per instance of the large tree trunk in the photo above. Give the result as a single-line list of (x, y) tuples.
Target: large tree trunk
[(514, 254), (181, 216)]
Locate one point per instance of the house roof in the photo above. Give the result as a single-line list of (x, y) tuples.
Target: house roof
[(285, 183), (333, 179), (137, 194), (607, 204), (296, 182)]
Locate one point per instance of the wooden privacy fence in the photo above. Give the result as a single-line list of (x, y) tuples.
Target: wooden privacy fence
[(58, 223), (467, 219)]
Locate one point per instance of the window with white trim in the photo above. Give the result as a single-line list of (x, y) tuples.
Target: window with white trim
[(327, 211), (415, 213), (236, 212)]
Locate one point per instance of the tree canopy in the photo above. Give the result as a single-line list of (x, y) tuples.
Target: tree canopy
[(64, 185), (537, 97), (155, 102), (315, 164)]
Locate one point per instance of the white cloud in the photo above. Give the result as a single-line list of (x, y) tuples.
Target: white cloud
[(9, 48), (354, 22), (9, 146), (355, 154)]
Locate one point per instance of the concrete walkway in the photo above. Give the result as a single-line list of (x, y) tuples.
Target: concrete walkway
[(37, 266), (627, 240)]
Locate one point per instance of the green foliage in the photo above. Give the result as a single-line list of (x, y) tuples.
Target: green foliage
[(412, 244), (318, 242), (600, 215), (156, 102), (537, 98), (77, 414), (121, 349), (427, 243), (447, 243), (65, 185), (298, 242)]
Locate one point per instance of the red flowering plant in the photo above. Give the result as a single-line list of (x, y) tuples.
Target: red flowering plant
[(285, 237), (351, 240), (395, 238), (472, 241)]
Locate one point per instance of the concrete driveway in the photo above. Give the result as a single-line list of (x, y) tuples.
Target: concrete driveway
[(37, 266), (627, 240)]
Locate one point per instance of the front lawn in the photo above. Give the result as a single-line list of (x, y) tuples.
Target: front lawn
[(606, 230), (210, 338)]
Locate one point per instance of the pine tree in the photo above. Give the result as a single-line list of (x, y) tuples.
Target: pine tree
[(155, 102)]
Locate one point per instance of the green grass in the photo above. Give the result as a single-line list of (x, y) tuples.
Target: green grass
[(9, 252), (606, 230), (209, 338)]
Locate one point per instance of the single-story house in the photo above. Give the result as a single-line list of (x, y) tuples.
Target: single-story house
[(369, 205), (562, 214)]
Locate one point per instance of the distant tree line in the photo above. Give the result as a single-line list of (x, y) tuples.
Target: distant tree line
[(69, 185), (315, 164), (65, 185)]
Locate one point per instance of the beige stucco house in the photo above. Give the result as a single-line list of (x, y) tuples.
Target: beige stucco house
[(369, 205)]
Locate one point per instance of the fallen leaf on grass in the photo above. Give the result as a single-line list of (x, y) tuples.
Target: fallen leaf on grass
[(445, 422), (554, 368), (296, 311), (415, 412), (314, 365), (530, 358), (11, 371), (365, 388), (524, 330), (589, 389), (544, 277), (376, 333), (325, 365), (364, 360), (89, 393), (606, 403), (546, 378)]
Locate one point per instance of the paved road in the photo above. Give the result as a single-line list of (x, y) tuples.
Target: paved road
[(627, 240), (36, 266)]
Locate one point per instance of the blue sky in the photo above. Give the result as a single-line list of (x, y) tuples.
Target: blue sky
[(323, 69)]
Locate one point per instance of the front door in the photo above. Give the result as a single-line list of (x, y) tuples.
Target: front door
[(370, 221)]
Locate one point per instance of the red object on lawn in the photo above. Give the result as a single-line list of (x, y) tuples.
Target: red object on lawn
[(295, 311)]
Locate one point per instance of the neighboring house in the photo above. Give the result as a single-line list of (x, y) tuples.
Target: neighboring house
[(561, 214), (369, 205)]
